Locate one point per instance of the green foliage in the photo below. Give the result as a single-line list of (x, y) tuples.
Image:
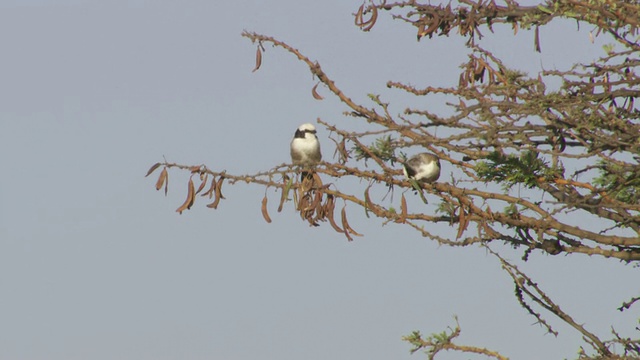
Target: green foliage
[(433, 340), (415, 339), (446, 208), (620, 183), (511, 210), (382, 148), (512, 169)]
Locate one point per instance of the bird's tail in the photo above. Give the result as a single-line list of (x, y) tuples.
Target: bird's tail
[(310, 179), (306, 175)]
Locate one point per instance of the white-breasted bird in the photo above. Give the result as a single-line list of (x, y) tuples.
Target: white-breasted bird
[(423, 167), (305, 147)]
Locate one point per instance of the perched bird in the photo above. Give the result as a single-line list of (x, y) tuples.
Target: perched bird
[(423, 167), (305, 147)]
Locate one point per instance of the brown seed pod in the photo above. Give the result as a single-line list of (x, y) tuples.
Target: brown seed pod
[(464, 222), (358, 19), (212, 187), (258, 59), (367, 201), (314, 93), (321, 212), (203, 183), (218, 193), (162, 179), (462, 81), (341, 148), (190, 198), (433, 25), (317, 200), (303, 203), (153, 168), (265, 214), (403, 210), (345, 224), (330, 207), (346, 233), (478, 72), (317, 182), (372, 21)]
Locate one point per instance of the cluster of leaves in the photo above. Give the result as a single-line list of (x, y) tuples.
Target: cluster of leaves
[(621, 182), (444, 340), (382, 148), (527, 169)]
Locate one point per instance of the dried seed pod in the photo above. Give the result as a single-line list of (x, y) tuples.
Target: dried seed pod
[(358, 20), (372, 20), (153, 168), (321, 212), (345, 224), (258, 59), (342, 148), (461, 219), (478, 72), (317, 182), (306, 183), (265, 214), (317, 200), (315, 94), (166, 184), (536, 40), (403, 210), (367, 201), (346, 233), (190, 198), (462, 81), (219, 186), (162, 179), (209, 192), (421, 32), (203, 183), (330, 207), (303, 203), (433, 25), (218, 193)]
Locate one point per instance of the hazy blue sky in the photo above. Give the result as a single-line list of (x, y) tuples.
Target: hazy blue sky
[(95, 264)]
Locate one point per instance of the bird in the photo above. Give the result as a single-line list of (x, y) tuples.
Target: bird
[(423, 167), (305, 147)]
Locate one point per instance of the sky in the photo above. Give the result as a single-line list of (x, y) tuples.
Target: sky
[(95, 264)]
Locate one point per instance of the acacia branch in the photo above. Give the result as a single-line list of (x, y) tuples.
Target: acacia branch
[(483, 217), (317, 71), (435, 343), (525, 284)]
